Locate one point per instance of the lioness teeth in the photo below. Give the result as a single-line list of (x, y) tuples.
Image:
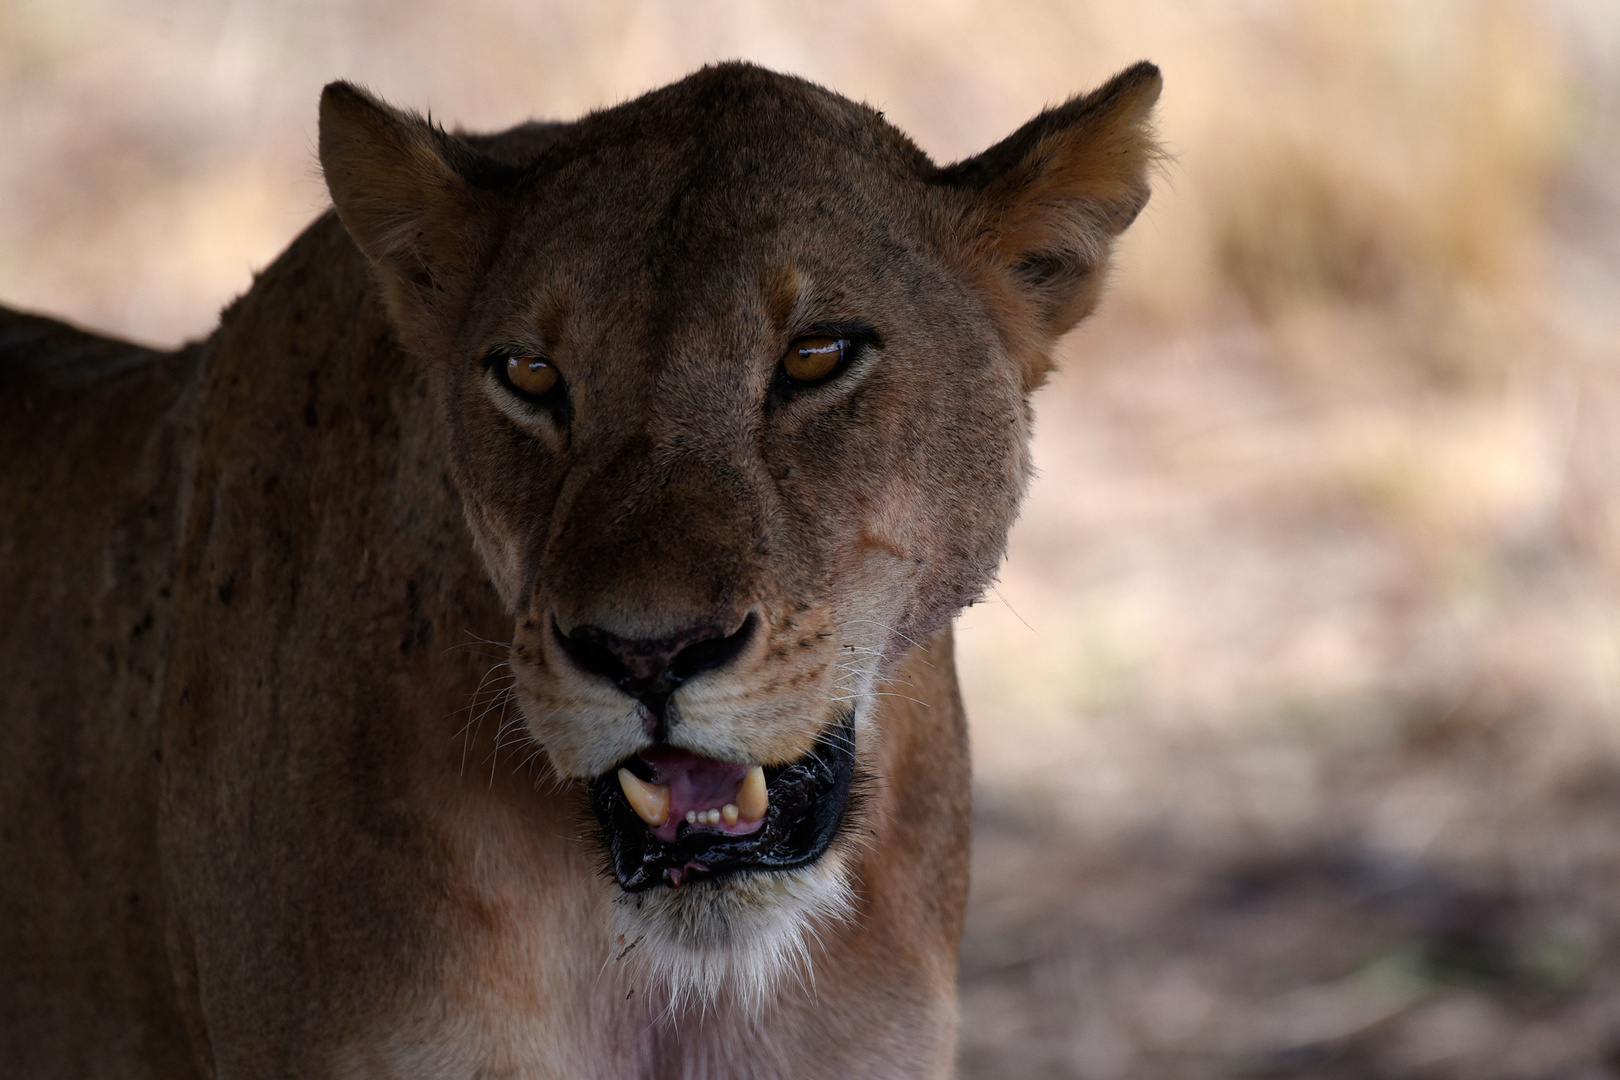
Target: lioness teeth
[(700, 791), (649, 801), (713, 816), (752, 799)]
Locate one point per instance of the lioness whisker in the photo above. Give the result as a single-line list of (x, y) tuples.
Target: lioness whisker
[(891, 630), (469, 730), (474, 641)]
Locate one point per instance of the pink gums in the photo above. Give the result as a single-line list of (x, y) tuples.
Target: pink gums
[(696, 783)]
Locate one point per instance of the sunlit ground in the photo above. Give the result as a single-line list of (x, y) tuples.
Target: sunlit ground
[(1297, 708)]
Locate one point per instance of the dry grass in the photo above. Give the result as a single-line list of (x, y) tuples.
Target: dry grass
[(1301, 754)]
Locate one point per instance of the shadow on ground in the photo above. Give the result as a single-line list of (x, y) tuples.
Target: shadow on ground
[(1148, 959)]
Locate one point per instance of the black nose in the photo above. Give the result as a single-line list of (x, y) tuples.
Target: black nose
[(649, 670)]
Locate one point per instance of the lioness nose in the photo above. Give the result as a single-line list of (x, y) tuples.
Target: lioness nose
[(649, 670)]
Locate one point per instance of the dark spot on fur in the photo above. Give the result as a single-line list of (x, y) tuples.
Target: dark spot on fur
[(421, 278), (419, 628)]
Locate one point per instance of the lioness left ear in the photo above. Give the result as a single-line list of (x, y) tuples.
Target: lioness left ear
[(423, 205), (1043, 205)]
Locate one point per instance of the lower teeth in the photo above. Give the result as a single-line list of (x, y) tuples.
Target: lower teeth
[(711, 817)]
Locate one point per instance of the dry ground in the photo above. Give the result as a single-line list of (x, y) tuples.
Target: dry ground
[(1305, 764), (1297, 711)]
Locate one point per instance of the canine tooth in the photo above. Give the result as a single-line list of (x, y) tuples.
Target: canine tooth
[(729, 812), (649, 801), (752, 799)]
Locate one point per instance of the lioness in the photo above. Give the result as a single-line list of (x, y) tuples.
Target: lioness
[(711, 409)]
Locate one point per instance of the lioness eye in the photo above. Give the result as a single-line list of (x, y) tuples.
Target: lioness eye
[(531, 374), (812, 359)]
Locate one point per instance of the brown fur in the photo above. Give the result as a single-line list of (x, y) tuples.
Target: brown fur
[(255, 823)]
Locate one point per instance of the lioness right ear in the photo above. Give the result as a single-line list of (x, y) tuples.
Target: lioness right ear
[(1044, 205), (424, 207)]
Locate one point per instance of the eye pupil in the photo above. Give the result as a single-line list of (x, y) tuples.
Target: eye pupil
[(813, 358), (531, 374)]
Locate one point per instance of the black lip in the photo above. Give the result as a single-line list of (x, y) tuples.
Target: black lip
[(809, 798)]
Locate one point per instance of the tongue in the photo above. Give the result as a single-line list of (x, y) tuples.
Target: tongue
[(696, 784)]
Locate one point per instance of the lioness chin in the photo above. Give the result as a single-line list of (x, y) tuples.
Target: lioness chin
[(712, 408)]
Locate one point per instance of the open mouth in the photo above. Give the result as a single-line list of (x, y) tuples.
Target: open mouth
[(672, 817)]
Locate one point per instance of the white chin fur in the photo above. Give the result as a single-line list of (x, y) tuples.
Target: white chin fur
[(733, 940)]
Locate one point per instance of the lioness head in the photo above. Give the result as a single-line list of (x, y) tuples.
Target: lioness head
[(735, 381)]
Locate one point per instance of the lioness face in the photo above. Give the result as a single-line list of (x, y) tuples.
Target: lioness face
[(707, 552), (735, 384)]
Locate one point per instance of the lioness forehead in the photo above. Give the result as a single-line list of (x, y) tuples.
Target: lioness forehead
[(733, 130), (732, 171)]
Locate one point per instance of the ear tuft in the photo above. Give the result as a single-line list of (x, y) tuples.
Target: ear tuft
[(421, 204), (1045, 203)]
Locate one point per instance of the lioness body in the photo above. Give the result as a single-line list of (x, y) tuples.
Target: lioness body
[(266, 813), (92, 435)]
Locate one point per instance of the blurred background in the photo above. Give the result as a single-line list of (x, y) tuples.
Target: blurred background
[(1297, 708)]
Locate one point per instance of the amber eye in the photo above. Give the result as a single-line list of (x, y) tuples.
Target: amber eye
[(531, 374), (811, 359)]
